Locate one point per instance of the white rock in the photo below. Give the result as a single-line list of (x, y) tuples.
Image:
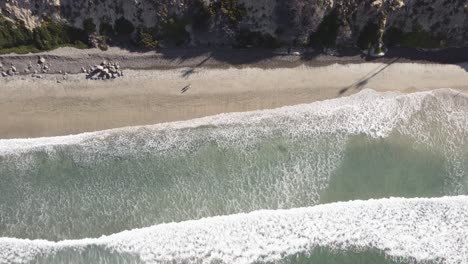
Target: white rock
[(4, 74), (41, 60), (13, 68)]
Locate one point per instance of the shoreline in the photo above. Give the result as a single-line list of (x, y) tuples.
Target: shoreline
[(43, 108)]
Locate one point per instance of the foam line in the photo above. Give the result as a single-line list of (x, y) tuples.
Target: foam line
[(434, 229), (368, 112)]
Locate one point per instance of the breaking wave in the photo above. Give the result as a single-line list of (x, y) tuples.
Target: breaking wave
[(420, 229), (74, 189)]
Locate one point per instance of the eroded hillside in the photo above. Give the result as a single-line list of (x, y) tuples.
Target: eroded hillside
[(267, 23)]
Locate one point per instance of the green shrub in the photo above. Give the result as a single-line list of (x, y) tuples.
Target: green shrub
[(246, 38), (174, 32), (106, 29), (123, 26), (327, 31), (146, 39), (228, 8), (13, 34), (53, 34), (392, 36), (20, 50), (89, 26), (200, 14), (421, 39), (15, 37), (416, 39)]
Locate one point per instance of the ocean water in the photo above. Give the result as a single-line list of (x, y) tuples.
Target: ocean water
[(369, 178)]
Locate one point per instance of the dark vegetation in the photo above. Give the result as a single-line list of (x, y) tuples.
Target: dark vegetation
[(51, 35), (327, 32), (174, 33), (218, 18), (229, 9), (89, 26), (145, 39), (123, 27), (418, 38), (246, 38), (15, 37), (368, 36), (172, 30)]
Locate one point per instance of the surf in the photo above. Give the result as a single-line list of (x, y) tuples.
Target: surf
[(420, 229), (66, 192)]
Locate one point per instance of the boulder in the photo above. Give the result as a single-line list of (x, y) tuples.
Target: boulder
[(41, 60), (104, 71)]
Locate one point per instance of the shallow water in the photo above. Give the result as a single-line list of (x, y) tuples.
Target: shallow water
[(366, 146)]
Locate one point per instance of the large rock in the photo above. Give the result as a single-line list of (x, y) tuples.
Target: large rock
[(104, 71)]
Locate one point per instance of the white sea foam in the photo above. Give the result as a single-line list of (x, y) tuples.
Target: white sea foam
[(419, 228), (368, 112), (435, 119)]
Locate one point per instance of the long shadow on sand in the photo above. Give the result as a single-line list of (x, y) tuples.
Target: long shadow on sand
[(366, 78)]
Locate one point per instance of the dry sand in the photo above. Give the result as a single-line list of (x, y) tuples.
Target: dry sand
[(44, 107)]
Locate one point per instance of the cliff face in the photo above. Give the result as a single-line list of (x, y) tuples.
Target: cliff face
[(344, 22)]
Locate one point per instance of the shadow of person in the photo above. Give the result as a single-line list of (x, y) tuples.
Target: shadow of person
[(185, 88)]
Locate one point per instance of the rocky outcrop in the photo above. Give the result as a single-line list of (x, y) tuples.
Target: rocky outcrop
[(288, 21), (104, 71)]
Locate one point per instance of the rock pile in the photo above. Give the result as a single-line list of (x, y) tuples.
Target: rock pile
[(41, 67), (11, 71), (104, 71)]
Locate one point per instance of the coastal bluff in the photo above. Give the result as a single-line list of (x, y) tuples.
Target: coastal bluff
[(416, 23)]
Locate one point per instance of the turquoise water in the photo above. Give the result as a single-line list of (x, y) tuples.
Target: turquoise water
[(367, 146)]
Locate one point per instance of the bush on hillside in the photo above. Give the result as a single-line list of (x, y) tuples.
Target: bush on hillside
[(246, 38), (231, 9), (106, 29), (53, 34), (89, 26), (368, 37), (146, 39), (13, 34), (174, 32), (123, 27), (327, 32), (200, 14)]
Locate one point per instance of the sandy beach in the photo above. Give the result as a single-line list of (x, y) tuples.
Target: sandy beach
[(44, 107)]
